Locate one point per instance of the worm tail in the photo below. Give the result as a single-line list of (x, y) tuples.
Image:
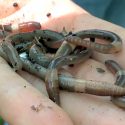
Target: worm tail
[(52, 85)]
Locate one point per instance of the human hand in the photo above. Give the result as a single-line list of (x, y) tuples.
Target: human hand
[(16, 101)]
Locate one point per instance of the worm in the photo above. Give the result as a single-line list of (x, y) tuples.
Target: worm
[(12, 54), (47, 37), (116, 69), (66, 45), (21, 27), (50, 38), (74, 84), (39, 57), (52, 83), (24, 46), (3, 34), (64, 49), (71, 59), (15, 39), (114, 45)]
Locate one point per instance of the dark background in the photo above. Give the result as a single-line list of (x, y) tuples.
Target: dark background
[(110, 10)]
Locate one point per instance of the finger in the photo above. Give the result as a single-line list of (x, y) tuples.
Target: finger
[(23, 104)]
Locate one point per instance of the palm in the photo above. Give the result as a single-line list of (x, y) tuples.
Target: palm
[(89, 108)]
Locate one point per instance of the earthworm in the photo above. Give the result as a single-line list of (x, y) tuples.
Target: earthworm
[(7, 45), (64, 32), (48, 37), (19, 38), (15, 39), (54, 40), (114, 45), (36, 41), (74, 84), (12, 54), (116, 69), (52, 83), (70, 59), (15, 4), (3, 54), (21, 27), (24, 46), (3, 34), (64, 49), (39, 57)]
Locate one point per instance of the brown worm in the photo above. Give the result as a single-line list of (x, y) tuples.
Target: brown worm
[(39, 57), (114, 45), (12, 54), (116, 69), (74, 84), (52, 83), (21, 27)]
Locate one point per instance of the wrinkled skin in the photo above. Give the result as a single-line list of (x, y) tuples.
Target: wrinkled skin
[(17, 100)]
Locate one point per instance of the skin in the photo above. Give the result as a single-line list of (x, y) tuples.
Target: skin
[(70, 83), (76, 19), (64, 49)]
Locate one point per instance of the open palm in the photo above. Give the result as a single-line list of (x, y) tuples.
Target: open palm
[(16, 101)]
